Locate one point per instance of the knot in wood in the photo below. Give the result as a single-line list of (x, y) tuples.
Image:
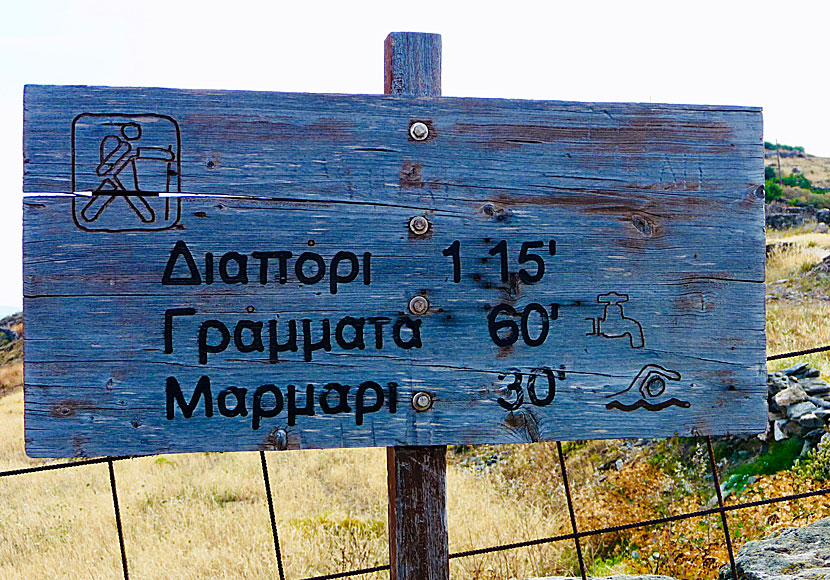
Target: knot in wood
[(644, 226)]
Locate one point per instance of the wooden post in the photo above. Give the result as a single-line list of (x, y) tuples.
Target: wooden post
[(417, 476)]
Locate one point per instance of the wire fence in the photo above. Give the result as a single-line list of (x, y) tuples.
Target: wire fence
[(575, 535)]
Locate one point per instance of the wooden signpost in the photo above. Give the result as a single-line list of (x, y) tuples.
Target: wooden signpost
[(386, 270), (243, 270)]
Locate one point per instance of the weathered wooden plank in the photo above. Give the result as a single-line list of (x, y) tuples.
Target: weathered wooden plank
[(418, 538), (358, 148), (417, 476), (412, 64), (97, 367)]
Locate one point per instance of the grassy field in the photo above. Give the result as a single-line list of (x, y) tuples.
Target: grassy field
[(205, 515), (798, 298), (816, 169)]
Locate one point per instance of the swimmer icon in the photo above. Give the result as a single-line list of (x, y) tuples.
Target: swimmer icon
[(650, 383)]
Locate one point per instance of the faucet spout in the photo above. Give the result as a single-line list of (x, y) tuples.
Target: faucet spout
[(615, 324)]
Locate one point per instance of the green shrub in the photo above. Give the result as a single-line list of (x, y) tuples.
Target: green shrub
[(773, 191), (769, 172), (772, 146), (816, 465), (780, 456), (797, 180), (818, 200)]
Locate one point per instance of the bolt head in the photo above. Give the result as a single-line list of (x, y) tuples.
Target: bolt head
[(419, 225), (421, 401), (281, 440), (418, 131), (419, 305)]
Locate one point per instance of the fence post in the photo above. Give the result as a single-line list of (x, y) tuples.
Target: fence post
[(417, 476)]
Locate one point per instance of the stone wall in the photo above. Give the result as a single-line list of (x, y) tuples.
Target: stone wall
[(799, 405)]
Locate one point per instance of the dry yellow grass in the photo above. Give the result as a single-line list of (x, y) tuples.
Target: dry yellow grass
[(803, 235), (816, 169), (11, 376), (798, 325), (797, 305), (786, 263), (205, 516)]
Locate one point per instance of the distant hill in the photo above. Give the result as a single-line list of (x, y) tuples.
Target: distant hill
[(796, 160), (11, 353)]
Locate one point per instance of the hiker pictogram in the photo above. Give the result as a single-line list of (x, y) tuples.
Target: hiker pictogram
[(126, 161)]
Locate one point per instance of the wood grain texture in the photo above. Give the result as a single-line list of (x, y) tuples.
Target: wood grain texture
[(418, 540), (412, 64), (417, 476), (95, 348), (357, 148), (658, 203)]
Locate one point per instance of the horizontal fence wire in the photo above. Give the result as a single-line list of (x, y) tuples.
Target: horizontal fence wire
[(799, 353), (574, 535), (65, 465)]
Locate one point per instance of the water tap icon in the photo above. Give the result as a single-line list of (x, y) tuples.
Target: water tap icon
[(614, 323)]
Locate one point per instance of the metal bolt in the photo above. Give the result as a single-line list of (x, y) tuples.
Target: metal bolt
[(418, 131), (419, 225), (421, 401), (281, 439), (419, 305)]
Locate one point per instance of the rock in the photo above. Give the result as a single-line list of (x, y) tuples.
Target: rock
[(610, 464), (799, 409), (617, 577), (814, 436), (822, 228), (797, 370), (784, 221), (795, 554), (825, 439), (778, 430), (792, 395), (779, 380), (798, 403), (819, 402), (823, 414), (792, 429), (815, 386), (809, 421), (823, 266)]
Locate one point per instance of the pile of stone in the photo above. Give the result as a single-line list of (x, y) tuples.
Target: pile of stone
[(794, 554), (615, 577), (780, 216), (799, 404)]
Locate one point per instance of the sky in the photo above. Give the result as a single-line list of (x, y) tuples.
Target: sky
[(772, 55)]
